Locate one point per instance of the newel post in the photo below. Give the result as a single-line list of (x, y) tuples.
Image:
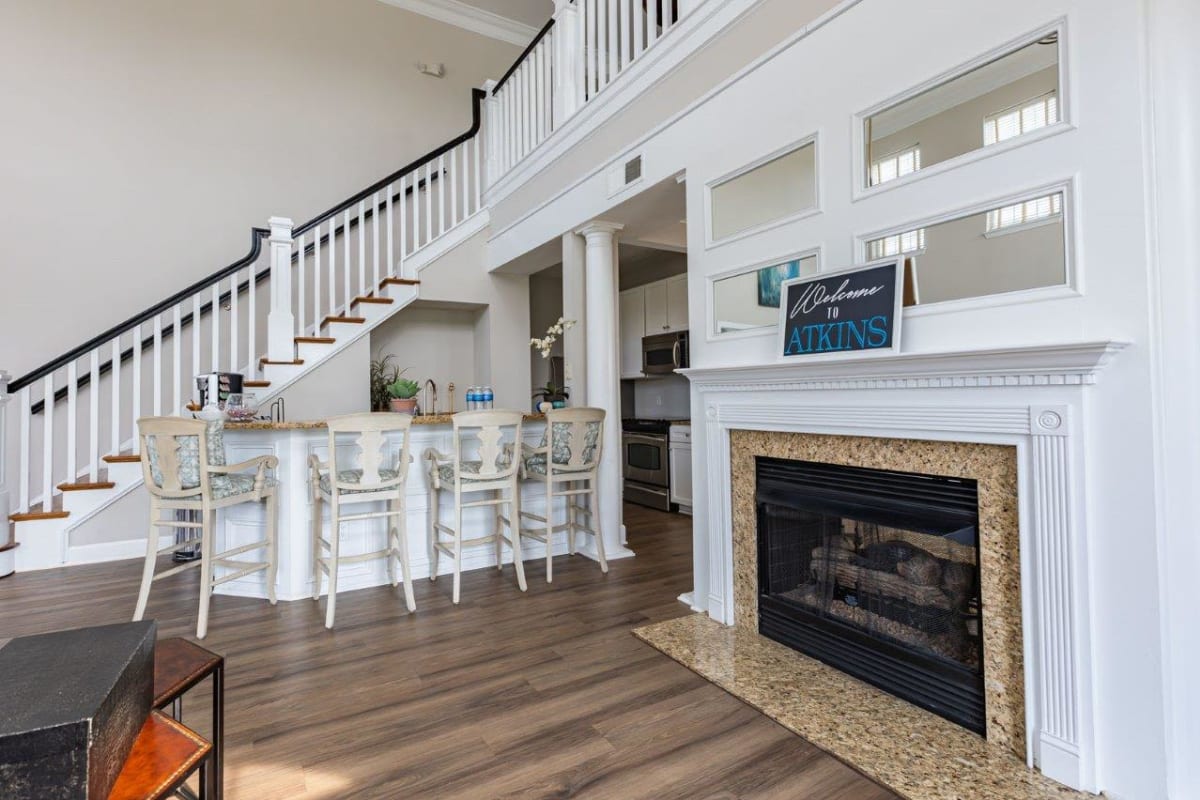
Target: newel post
[(281, 325), (491, 134), (568, 61)]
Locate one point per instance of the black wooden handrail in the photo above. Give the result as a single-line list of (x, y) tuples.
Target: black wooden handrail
[(256, 238), (524, 54)]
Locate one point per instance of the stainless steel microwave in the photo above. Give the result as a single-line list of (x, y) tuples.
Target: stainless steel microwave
[(663, 353)]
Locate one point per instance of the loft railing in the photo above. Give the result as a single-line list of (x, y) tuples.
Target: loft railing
[(579, 52)]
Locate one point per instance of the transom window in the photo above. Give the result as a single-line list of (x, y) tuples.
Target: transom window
[(1021, 119), (896, 165), (897, 243), (1017, 214)]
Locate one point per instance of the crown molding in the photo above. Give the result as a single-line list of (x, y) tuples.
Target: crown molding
[(476, 20)]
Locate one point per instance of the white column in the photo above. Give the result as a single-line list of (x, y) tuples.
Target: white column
[(1173, 159), (574, 307), (603, 377), (568, 93), (281, 326), (491, 137)]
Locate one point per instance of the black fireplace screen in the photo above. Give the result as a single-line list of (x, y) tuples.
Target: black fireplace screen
[(876, 573)]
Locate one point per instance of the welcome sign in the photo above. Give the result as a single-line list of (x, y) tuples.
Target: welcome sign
[(852, 310)]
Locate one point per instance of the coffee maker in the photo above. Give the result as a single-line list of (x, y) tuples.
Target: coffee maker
[(214, 388)]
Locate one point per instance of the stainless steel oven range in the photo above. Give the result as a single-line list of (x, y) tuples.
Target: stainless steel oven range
[(645, 462)]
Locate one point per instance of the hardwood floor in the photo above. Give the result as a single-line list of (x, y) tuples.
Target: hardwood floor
[(542, 695)]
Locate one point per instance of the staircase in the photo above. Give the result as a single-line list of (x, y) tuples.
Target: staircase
[(282, 310)]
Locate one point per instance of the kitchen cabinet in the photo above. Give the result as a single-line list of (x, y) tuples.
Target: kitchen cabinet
[(667, 305), (659, 307), (679, 452), (632, 310)]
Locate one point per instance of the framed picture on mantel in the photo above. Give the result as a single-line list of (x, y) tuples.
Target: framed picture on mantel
[(849, 313)]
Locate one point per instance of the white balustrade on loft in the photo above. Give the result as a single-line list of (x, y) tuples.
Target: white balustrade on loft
[(586, 46)]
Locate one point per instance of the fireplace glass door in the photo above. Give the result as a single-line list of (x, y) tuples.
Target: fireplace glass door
[(876, 573)]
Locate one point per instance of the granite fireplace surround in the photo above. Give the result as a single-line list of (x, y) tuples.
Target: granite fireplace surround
[(994, 467)]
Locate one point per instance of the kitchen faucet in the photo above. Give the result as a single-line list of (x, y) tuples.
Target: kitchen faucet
[(431, 409)]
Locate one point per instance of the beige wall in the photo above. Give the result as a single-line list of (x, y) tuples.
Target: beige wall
[(142, 139), (435, 344)]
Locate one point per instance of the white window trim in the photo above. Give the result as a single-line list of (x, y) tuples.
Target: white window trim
[(813, 139), (1066, 115), (1021, 227), (1072, 285), (710, 309)]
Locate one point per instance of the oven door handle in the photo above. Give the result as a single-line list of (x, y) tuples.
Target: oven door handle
[(643, 439)]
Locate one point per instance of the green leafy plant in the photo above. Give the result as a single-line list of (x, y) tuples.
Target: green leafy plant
[(551, 392), (383, 374), (403, 389)]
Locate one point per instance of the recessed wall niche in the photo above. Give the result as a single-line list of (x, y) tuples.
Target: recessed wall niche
[(782, 187), (1002, 100), (1010, 247)]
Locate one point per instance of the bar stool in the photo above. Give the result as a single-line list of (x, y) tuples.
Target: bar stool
[(183, 464), (566, 462), (494, 471), (363, 480)]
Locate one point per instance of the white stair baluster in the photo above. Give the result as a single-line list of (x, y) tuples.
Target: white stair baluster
[(391, 224), (135, 406), (404, 251), (157, 385), (478, 175), (72, 420), (639, 30), (214, 319), (539, 94), (316, 307), (115, 383), (652, 23), (93, 419), (668, 14), (332, 267), (614, 34), (346, 270), (176, 361), (626, 33), (375, 211), (48, 489), (453, 181), (416, 207), (441, 176), (362, 251), (26, 466), (195, 340), (302, 297), (251, 324), (234, 355), (428, 202)]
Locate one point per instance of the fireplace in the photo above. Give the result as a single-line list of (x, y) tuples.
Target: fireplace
[(876, 572)]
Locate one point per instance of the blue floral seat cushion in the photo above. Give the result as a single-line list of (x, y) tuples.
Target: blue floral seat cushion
[(188, 455), (469, 468), (562, 449), (225, 486), (355, 476)]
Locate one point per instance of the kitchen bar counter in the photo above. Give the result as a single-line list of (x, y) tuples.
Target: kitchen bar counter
[(319, 424), (294, 442)]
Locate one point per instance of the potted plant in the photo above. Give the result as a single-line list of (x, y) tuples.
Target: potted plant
[(552, 397), (402, 394), (383, 374)]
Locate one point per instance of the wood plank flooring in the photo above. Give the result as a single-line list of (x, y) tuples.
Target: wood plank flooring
[(542, 695)]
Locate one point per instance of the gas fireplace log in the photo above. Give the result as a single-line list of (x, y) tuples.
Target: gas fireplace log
[(890, 584)]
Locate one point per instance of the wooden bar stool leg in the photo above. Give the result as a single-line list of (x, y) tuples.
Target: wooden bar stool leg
[(316, 546), (597, 534), (549, 525), (514, 530), (457, 549), (335, 535), (272, 545), (206, 569), (498, 529), (402, 553), (434, 516)]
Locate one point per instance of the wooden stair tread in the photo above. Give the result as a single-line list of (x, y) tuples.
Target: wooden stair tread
[(122, 458), (265, 361), (347, 320), (35, 512), (256, 384), (12, 545), (381, 301), (399, 282), (311, 340), (83, 486)]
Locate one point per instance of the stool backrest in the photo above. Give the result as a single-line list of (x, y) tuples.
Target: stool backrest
[(490, 428), (576, 437), (370, 450), (173, 450)]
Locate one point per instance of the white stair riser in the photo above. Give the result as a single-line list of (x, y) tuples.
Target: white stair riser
[(84, 501), (371, 312), (42, 542), (311, 352), (345, 331)]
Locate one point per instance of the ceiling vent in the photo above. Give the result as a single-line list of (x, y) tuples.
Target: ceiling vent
[(633, 170)]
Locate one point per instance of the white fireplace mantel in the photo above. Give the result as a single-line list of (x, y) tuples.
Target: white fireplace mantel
[(1028, 397), (1063, 364)]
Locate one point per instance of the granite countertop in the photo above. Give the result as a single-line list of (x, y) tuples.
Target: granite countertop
[(319, 424)]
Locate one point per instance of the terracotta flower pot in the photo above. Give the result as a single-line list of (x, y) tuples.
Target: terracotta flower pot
[(407, 405)]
